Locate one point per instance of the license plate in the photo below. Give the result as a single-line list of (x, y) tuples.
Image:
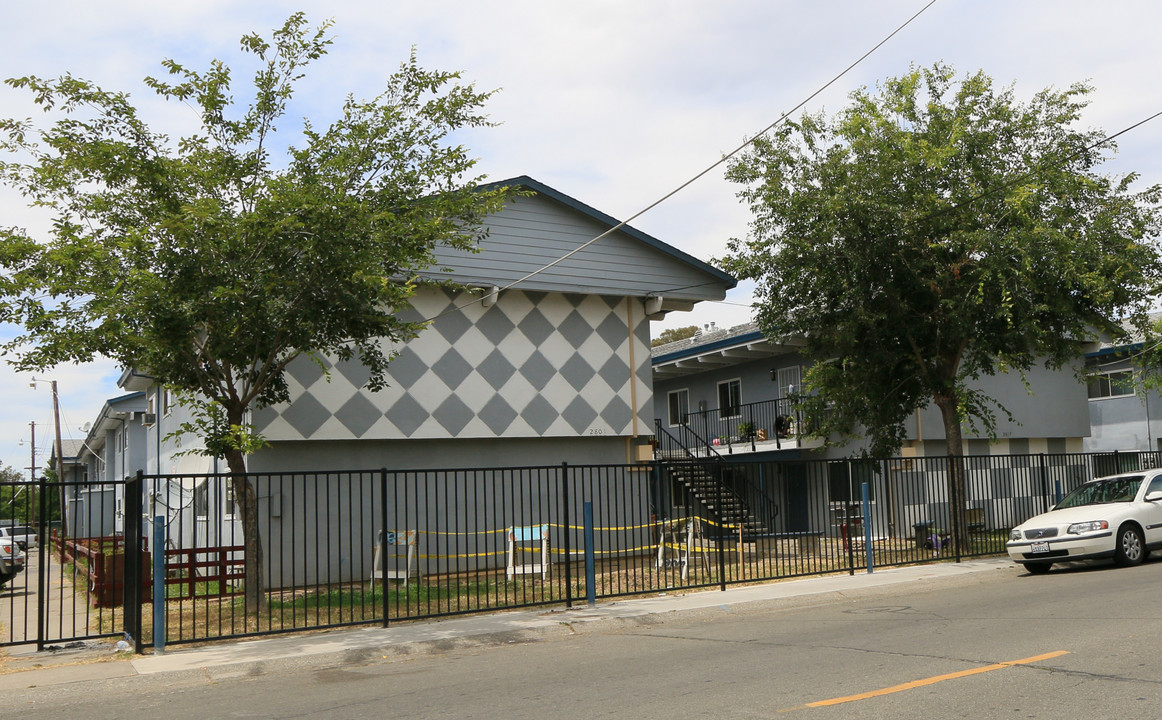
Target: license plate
[(1039, 547)]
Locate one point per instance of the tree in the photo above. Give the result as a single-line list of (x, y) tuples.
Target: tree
[(211, 266), (933, 232), (17, 496), (674, 335)]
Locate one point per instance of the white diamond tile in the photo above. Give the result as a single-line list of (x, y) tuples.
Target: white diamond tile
[(557, 350)]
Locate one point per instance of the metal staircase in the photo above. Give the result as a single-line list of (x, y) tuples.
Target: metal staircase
[(704, 480)]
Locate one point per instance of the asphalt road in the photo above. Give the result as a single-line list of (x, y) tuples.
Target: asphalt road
[(1078, 643)]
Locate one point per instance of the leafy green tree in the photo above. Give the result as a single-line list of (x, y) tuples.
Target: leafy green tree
[(17, 501), (935, 231), (674, 335), (211, 265)]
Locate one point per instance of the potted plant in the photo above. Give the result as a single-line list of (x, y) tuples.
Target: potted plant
[(746, 430)]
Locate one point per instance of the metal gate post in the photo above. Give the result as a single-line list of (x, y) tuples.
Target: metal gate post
[(383, 547), (134, 492), (159, 586), (42, 567)]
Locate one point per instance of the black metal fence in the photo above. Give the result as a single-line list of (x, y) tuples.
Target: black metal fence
[(347, 548)]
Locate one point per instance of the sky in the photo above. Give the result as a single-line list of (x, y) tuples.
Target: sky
[(614, 103)]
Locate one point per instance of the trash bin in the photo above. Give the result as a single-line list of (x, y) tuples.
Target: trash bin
[(923, 535)]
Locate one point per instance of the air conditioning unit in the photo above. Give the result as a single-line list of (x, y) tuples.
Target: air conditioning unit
[(149, 419)]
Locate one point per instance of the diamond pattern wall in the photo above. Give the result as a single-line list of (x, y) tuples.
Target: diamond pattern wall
[(533, 365)]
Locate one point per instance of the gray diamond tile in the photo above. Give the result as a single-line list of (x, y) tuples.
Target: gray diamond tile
[(615, 372), (613, 302), (577, 372), (535, 297), (497, 414), (613, 331), (452, 327), (263, 416), (305, 370), (537, 370), (407, 367), (354, 371), (495, 325), (539, 414), (496, 369), (535, 327), (575, 329), (453, 415), (575, 300), (358, 415), (410, 314), (407, 414), (579, 414), (617, 414), (306, 414), (452, 368)]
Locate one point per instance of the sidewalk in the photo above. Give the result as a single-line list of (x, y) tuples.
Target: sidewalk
[(228, 659)]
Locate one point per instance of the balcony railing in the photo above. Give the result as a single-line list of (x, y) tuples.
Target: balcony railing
[(767, 422)]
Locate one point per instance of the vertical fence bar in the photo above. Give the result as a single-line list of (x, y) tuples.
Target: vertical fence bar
[(381, 538), (565, 532), (131, 592), (867, 532), (590, 565), (722, 531), (42, 571), (158, 582)]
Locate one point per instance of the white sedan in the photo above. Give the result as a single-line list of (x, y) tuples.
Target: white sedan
[(1117, 517)]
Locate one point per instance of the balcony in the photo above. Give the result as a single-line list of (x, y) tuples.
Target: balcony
[(750, 428)]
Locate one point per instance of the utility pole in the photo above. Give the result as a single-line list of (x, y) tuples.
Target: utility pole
[(60, 461)]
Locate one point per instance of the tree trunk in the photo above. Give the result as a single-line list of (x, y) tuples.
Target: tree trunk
[(246, 498), (957, 494)]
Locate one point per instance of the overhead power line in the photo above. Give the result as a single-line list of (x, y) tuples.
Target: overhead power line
[(782, 118)]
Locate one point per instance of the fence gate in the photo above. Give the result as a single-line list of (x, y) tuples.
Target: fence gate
[(72, 587)]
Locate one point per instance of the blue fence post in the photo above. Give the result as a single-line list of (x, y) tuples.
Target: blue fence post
[(159, 609), (590, 565), (867, 534)]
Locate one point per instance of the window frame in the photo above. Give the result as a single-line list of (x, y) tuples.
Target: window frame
[(737, 406), (1104, 384), (670, 397)]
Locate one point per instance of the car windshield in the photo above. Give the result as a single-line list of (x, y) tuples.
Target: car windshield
[(23, 531), (1100, 492)]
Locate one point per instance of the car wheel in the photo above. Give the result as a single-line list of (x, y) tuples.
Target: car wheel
[(1131, 549), (1038, 568)]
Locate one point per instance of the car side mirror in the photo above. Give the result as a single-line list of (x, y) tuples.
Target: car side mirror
[(1153, 496)]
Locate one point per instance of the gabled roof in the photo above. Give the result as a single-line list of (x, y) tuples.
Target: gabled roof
[(527, 182), (546, 241), (111, 415)]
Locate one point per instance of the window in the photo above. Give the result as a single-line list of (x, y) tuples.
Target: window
[(729, 398), (788, 379), (847, 487), (679, 401), (202, 500), (1112, 384)]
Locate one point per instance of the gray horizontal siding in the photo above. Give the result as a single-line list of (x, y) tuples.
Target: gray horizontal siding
[(533, 231)]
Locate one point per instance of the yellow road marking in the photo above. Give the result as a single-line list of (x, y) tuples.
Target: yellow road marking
[(935, 679)]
